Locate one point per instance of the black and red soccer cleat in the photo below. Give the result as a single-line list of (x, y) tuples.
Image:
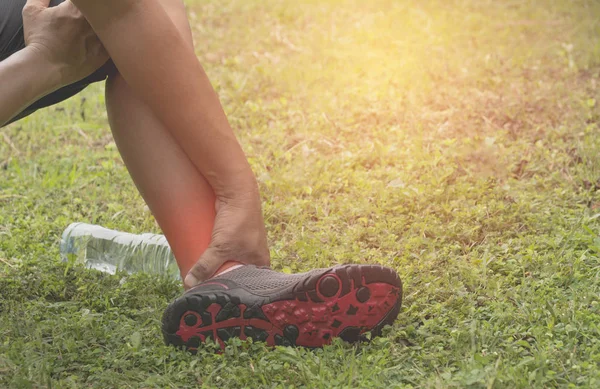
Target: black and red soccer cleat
[(307, 309)]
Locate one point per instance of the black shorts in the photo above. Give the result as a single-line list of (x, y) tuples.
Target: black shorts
[(12, 40)]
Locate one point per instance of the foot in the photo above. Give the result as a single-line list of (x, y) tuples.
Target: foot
[(307, 309)]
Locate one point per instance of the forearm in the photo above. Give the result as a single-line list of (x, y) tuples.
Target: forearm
[(23, 80), (162, 70)]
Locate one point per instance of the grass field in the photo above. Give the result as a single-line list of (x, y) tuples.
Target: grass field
[(453, 140)]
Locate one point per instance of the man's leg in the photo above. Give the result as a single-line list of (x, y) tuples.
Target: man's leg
[(163, 71), (179, 197), (181, 200), (302, 309)]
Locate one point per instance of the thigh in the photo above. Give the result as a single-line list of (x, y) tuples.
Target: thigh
[(13, 40)]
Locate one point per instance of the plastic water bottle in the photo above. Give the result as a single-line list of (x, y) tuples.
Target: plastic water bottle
[(107, 250)]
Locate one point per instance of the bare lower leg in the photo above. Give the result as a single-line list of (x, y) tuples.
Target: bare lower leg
[(179, 197), (161, 69), (177, 194)]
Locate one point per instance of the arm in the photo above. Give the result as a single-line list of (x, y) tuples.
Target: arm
[(61, 49), (24, 79)]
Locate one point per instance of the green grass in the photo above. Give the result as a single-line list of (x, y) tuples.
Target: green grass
[(453, 140)]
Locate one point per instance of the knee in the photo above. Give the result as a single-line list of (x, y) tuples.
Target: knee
[(176, 10)]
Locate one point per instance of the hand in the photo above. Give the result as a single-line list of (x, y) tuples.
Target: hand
[(238, 235), (63, 38)]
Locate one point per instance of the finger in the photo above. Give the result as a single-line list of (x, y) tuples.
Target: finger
[(38, 3), (205, 268), (68, 7)]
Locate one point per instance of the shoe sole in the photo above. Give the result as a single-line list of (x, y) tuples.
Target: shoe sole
[(345, 301)]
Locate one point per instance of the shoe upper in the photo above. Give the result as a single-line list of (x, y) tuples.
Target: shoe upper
[(253, 278)]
